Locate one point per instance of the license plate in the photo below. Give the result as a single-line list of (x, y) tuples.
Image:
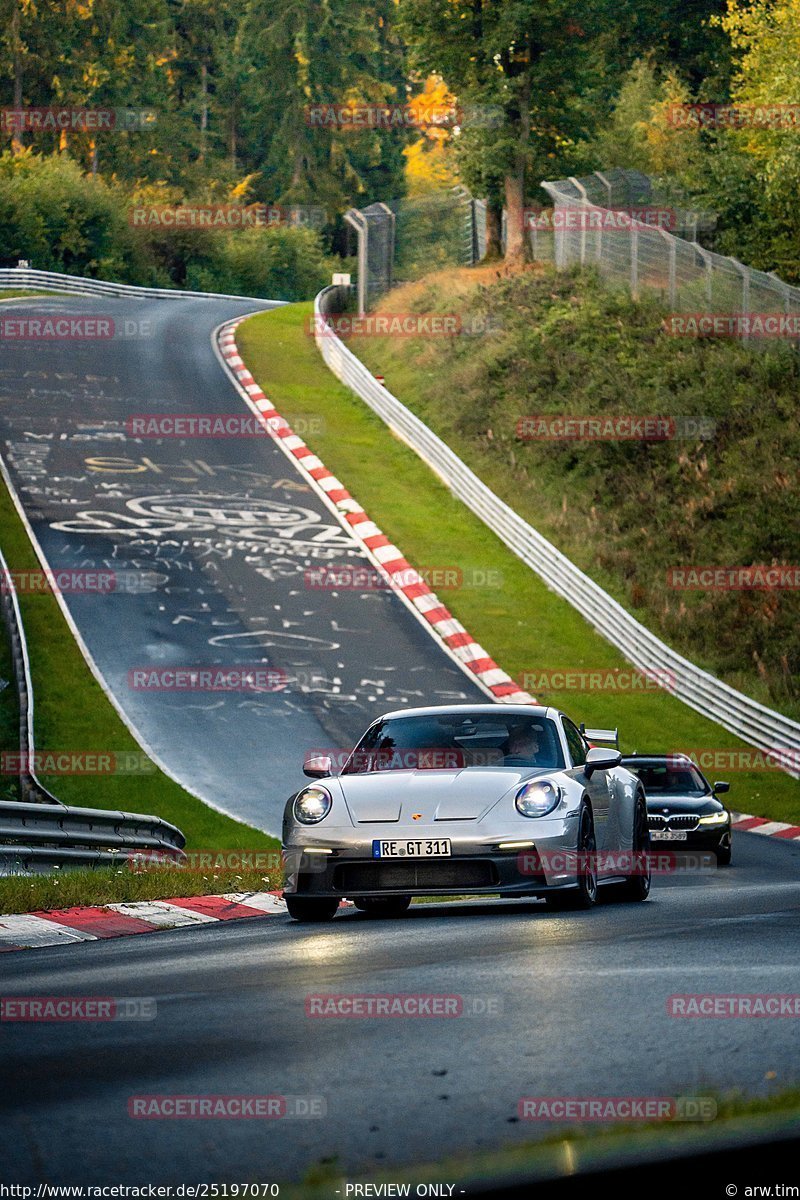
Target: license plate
[(424, 848), (668, 835)]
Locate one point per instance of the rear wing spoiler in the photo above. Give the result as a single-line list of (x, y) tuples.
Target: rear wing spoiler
[(601, 735)]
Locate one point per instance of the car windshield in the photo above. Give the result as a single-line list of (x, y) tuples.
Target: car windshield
[(453, 741), (669, 779)]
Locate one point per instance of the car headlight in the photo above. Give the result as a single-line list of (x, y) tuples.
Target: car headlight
[(312, 805), (719, 818), (537, 799)]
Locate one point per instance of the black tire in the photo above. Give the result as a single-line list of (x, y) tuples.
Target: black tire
[(383, 906), (723, 853), (637, 887), (585, 894), (309, 909)]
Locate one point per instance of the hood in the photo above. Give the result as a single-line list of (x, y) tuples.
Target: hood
[(464, 795), (683, 804)]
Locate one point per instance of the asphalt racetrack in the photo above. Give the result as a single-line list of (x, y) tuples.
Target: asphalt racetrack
[(213, 543), (579, 1005)]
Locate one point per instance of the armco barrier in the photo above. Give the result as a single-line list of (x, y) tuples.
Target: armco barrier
[(30, 787), (51, 281), (36, 838), (749, 720), (40, 833)]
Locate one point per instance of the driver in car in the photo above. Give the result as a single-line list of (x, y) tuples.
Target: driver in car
[(523, 746)]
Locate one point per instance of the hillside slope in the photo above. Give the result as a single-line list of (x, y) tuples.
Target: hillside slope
[(625, 511)]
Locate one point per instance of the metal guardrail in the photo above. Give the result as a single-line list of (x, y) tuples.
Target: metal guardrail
[(40, 833), (52, 281), (36, 838), (31, 789), (752, 722)]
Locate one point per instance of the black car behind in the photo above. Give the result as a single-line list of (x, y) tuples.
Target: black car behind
[(683, 808)]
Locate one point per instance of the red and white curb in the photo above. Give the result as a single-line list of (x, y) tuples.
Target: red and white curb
[(94, 923), (397, 571), (779, 829)]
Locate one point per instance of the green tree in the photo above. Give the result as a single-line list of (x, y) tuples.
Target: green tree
[(304, 54), (536, 62)]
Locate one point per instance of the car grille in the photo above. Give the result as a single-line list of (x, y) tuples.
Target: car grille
[(352, 878), (683, 821)]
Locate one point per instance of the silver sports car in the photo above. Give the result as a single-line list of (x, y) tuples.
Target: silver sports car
[(467, 799)]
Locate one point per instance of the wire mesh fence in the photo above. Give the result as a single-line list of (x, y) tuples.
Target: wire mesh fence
[(617, 222), (402, 240)]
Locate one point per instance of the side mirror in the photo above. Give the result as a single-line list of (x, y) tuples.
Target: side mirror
[(600, 758), (720, 787), (317, 768)]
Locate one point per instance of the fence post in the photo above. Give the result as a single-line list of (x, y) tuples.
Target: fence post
[(673, 253), (581, 190), (745, 274), (606, 183), (356, 219), (634, 261), (392, 239), (709, 262)]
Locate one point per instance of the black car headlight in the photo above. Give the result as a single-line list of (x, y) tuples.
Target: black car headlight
[(312, 805), (715, 818), (537, 799)]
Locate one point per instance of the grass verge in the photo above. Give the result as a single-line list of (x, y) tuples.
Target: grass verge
[(26, 293), (521, 624), (722, 491), (122, 884), (9, 713)]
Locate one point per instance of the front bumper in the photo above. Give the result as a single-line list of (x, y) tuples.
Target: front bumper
[(709, 839), (476, 867)]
